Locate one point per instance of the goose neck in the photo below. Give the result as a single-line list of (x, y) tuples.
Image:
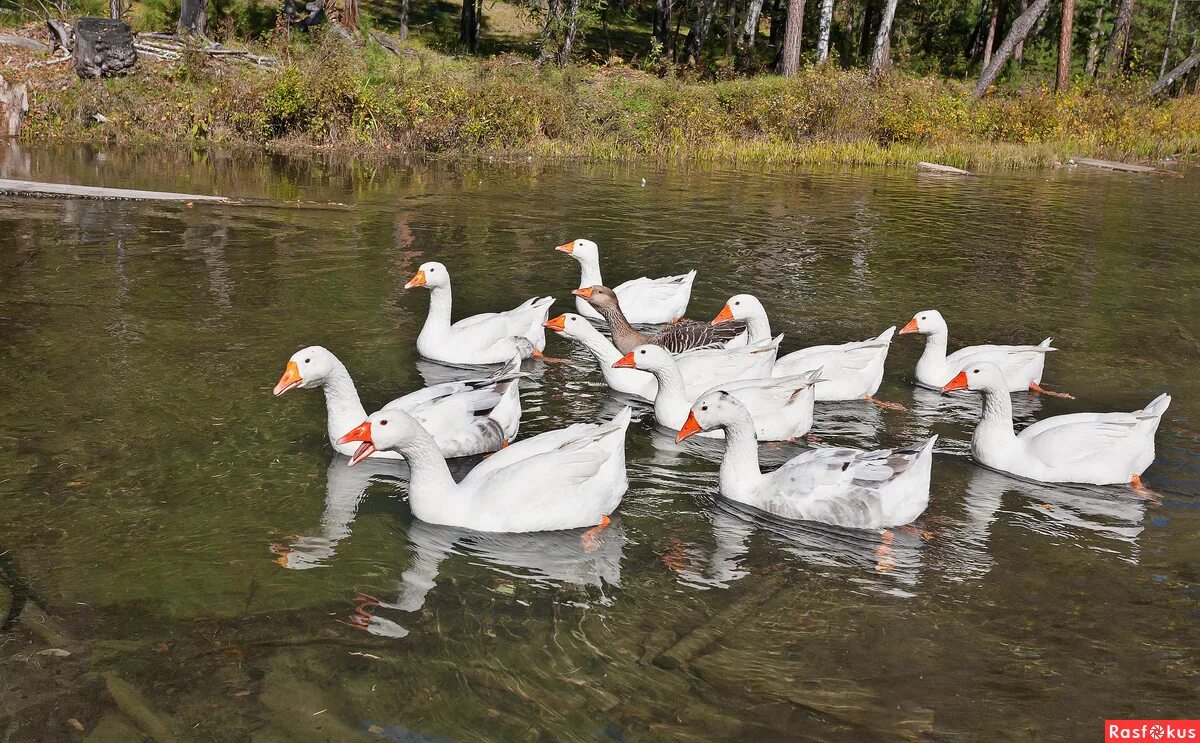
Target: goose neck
[(589, 271), (440, 301), (343, 408), (740, 473), (759, 328), (429, 480)]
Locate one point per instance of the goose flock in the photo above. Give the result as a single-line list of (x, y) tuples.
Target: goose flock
[(723, 378)]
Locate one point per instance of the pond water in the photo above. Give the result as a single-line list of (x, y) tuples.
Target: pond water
[(197, 538)]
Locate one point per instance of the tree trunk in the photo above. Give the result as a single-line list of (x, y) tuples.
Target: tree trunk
[(350, 15), (1019, 52), (1065, 35), (468, 29), (114, 9), (870, 11), (789, 62), (706, 11), (554, 17), (732, 31), (193, 17), (1016, 34), (1183, 68), (990, 41), (662, 23), (823, 30), (1118, 42), (883, 39), (750, 27), (1162, 69), (564, 52), (403, 20), (1093, 53)]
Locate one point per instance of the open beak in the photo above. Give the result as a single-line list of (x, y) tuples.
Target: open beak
[(290, 379), (557, 324), (366, 448), (585, 292), (566, 247), (690, 426), (418, 280), (725, 315), (958, 383), (910, 328), (625, 362)]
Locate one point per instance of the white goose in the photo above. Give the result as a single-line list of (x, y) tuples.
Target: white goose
[(701, 369), (1022, 365), (478, 339), (853, 371), (781, 407), (1093, 448), (642, 300), (565, 479), (845, 487), (465, 418)]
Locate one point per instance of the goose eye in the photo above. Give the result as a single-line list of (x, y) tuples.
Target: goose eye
[(642, 352), (922, 317), (704, 407), (307, 360), (974, 371), (737, 304), (383, 423)]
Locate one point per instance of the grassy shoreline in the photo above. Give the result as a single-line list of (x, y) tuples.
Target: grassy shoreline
[(330, 95)]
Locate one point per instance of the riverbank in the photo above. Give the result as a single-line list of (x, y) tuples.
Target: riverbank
[(329, 94)]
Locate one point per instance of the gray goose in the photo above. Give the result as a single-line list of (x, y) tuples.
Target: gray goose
[(681, 335)]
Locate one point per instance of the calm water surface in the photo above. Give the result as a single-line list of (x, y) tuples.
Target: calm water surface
[(198, 539)]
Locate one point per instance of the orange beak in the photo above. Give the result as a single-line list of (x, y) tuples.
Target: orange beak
[(418, 280), (290, 378), (585, 292), (363, 434), (625, 362), (958, 383), (557, 324), (566, 247), (910, 328), (690, 427), (725, 315)]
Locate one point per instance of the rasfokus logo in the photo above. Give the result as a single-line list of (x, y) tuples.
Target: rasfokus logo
[(1151, 730)]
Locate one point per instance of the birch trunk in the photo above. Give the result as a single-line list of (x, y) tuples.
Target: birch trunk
[(1162, 69), (883, 39), (823, 30), (750, 27)]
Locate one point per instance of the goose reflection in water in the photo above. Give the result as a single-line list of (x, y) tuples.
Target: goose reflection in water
[(542, 560), (345, 488), (1098, 518)]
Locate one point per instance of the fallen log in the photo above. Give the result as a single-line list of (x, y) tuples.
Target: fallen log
[(26, 188), (936, 168), (62, 36), (30, 44), (700, 638), (1111, 165)]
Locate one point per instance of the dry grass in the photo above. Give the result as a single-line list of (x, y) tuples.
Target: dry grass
[(331, 95)]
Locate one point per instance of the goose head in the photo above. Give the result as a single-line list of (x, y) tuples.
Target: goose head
[(386, 429), (740, 307), (925, 322), (647, 357), (980, 376), (713, 410), (308, 368), (581, 250), (570, 325), (598, 296), (430, 275)]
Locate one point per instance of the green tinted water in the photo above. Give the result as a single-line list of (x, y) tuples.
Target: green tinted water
[(198, 538)]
